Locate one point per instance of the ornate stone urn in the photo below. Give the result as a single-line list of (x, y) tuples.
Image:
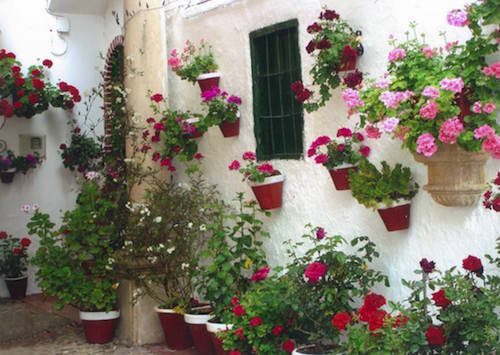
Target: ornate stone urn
[(455, 177)]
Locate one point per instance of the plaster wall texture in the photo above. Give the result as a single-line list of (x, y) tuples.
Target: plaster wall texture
[(25, 30), (444, 234)]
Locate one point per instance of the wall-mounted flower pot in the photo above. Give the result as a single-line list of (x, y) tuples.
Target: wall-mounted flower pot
[(269, 193), (175, 329), (208, 80), (7, 176), (396, 217), (197, 133), (99, 327), (231, 129), (198, 330), (455, 177), (17, 286), (213, 328), (340, 176)]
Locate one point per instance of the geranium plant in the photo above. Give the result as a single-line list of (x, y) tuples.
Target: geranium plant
[(492, 195), (253, 171), (82, 154), (193, 61), (26, 95), (13, 255), (221, 106), (387, 186), (21, 163), (334, 47)]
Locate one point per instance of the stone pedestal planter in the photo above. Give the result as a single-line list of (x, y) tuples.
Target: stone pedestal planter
[(175, 329), (396, 217), (454, 177), (340, 176), (99, 326), (208, 80), (269, 193), (17, 286)]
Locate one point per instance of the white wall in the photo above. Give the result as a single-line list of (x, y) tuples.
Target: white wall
[(444, 234), (24, 26)]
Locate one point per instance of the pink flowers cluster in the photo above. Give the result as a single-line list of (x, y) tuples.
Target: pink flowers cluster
[(429, 110), (449, 130), (492, 70), (391, 99), (430, 91), (174, 62), (396, 54), (426, 145), (321, 140), (457, 18), (314, 271), (491, 141), (428, 52), (388, 124), (351, 97), (210, 94), (383, 83), (488, 107), (252, 170), (454, 85)]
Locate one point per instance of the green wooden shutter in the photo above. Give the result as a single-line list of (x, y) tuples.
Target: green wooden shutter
[(278, 116)]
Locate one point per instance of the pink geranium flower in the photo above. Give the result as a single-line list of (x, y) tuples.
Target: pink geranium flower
[(315, 271), (477, 108), (265, 168), (489, 107), (430, 91), (389, 124), (429, 110), (235, 165), (249, 156), (454, 85), (260, 274), (457, 18), (449, 130), (396, 54), (426, 144), (372, 132)]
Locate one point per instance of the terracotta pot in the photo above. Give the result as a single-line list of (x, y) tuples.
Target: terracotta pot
[(269, 193), (208, 80), (99, 327), (17, 286), (340, 176), (196, 133), (213, 328), (198, 330), (7, 176), (175, 329), (229, 129), (455, 177), (396, 217)]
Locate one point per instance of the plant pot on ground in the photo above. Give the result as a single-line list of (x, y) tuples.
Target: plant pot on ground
[(99, 327), (13, 263), (215, 326), (388, 190), (196, 320), (17, 286), (174, 329)]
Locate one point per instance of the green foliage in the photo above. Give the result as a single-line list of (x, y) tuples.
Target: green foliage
[(370, 186), (13, 255), (220, 107), (83, 153), (75, 262), (194, 61)]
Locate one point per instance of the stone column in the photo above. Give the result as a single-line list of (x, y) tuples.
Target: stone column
[(145, 70)]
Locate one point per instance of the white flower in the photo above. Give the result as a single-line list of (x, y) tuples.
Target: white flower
[(190, 225), (202, 210), (161, 246), (203, 228), (35, 207), (149, 249), (111, 261), (107, 267), (184, 266), (91, 175), (152, 259), (170, 250), (118, 100), (127, 243), (25, 208), (157, 219)]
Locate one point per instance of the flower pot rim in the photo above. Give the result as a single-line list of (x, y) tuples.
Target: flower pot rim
[(383, 206), (166, 310), (211, 75), (217, 327), (85, 315), (197, 318), (15, 278), (10, 171), (193, 120), (269, 180), (343, 166)]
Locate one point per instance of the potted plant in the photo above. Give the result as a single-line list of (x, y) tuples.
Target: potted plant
[(389, 191), (491, 198), (75, 261), (265, 181), (222, 111), (13, 263), (442, 105), (7, 170), (12, 164), (196, 65), (339, 157), (234, 258), (334, 48), (165, 235), (82, 154)]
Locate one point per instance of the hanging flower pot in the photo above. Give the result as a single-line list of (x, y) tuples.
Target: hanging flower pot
[(197, 133), (198, 330), (269, 193), (396, 217), (208, 80), (175, 329), (455, 177), (213, 328), (99, 327), (8, 176), (17, 286), (231, 129), (340, 176)]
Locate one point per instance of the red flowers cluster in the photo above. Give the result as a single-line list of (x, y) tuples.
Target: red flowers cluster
[(473, 264), (157, 98), (435, 335), (492, 200), (371, 313), (260, 274), (354, 79), (440, 299), (340, 320), (427, 266), (314, 271), (329, 15), (301, 93), (3, 235)]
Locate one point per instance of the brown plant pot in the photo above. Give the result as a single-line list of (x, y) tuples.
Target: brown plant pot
[(455, 177), (269, 193), (396, 218), (17, 286), (340, 177), (214, 328), (7, 176), (208, 81), (175, 329), (230, 129), (99, 327), (198, 330)]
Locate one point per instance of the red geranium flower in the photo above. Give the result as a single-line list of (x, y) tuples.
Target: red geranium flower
[(304, 95), (70, 104), (63, 86), (234, 352), (255, 321), (47, 62), (315, 271), (36, 72), (150, 120), (427, 266), (63, 146), (235, 300), (239, 310), (344, 132), (260, 274), (288, 346), (471, 263), (33, 98), (239, 333), (20, 93), (340, 320), (435, 335), (329, 15), (38, 84), (3, 235), (15, 69), (365, 150), (157, 98), (440, 299), (315, 27), (18, 105), (311, 46), (400, 321), (323, 44), (277, 330), (16, 250), (25, 242), (19, 82), (156, 156)]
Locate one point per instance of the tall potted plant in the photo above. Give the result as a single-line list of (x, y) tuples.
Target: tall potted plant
[(388, 190), (265, 181), (13, 263), (222, 111), (196, 64), (339, 157), (75, 261)]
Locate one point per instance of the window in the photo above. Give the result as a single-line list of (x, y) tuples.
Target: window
[(278, 116)]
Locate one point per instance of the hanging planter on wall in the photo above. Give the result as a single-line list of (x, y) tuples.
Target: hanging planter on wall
[(7, 176), (207, 81), (396, 217), (340, 176), (269, 193), (231, 129), (455, 177), (196, 132)]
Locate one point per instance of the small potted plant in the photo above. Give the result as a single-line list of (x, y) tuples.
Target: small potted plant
[(265, 181), (339, 157), (75, 261), (334, 48), (196, 65), (7, 170), (13, 263), (82, 154), (222, 111), (389, 191), (491, 198)]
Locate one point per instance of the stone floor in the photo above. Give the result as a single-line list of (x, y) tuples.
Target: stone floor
[(33, 327)]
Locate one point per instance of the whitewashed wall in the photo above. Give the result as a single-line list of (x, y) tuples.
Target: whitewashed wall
[(444, 234), (24, 26)]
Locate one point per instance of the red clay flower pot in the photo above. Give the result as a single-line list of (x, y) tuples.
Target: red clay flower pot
[(340, 177), (17, 286), (213, 328), (229, 129), (197, 133), (7, 176), (208, 81), (175, 330), (397, 217), (99, 327), (269, 193), (198, 330)]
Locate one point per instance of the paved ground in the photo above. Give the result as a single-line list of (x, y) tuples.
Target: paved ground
[(32, 327)]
